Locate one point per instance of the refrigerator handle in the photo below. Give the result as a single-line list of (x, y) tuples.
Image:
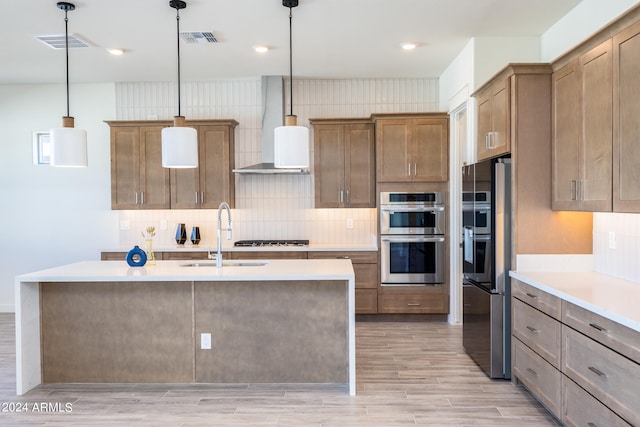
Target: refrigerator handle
[(502, 225)]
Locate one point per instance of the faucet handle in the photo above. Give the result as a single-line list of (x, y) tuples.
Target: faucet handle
[(229, 230)]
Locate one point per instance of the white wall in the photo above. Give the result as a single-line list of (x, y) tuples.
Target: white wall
[(579, 24), (52, 216)]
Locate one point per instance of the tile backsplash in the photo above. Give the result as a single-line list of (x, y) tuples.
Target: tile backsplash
[(616, 245), (268, 206)]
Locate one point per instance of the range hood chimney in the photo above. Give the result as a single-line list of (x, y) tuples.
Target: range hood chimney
[(272, 117)]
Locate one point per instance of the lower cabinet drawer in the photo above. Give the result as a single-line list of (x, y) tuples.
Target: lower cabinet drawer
[(538, 331), (543, 380), (366, 301), (411, 303), (610, 377), (581, 409)]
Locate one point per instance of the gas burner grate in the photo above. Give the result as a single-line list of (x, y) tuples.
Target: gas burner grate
[(254, 243)]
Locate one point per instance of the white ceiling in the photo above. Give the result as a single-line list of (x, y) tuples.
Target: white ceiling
[(332, 38)]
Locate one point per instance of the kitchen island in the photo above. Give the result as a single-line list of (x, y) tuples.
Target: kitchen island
[(277, 321)]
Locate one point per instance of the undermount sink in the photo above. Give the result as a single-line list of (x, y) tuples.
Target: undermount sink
[(226, 264)]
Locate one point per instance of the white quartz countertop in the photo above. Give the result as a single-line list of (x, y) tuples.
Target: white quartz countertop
[(610, 297), (204, 248), (120, 271)]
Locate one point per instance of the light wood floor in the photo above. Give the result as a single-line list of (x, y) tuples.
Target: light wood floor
[(407, 374)]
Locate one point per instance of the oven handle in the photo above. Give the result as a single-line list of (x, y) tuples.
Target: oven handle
[(411, 239), (414, 209)]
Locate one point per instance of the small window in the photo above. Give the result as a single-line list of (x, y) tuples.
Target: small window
[(41, 148)]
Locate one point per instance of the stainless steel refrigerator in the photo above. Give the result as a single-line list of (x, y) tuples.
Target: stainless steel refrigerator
[(486, 290)]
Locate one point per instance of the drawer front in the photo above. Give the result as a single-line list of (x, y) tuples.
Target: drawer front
[(581, 409), (436, 303), (366, 276), (114, 256), (364, 257), (269, 255), (543, 380), (180, 255), (610, 377), (538, 331), (614, 335), (366, 301), (547, 303)]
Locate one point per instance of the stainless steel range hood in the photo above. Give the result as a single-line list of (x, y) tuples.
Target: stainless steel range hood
[(272, 117)]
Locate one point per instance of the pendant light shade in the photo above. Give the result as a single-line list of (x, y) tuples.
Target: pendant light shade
[(291, 142), (291, 145), (179, 146), (68, 144), (179, 143)]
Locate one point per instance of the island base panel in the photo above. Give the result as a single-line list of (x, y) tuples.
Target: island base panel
[(265, 332), (116, 332)]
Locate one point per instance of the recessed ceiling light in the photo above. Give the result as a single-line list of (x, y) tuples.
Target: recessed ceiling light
[(115, 51), (261, 49), (408, 46)]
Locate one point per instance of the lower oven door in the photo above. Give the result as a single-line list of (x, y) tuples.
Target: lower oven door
[(407, 260)]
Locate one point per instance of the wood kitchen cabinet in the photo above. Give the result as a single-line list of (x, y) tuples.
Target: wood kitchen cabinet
[(344, 163), (412, 148), (581, 366), (212, 182), (582, 132), (138, 180), (493, 137), (365, 267), (626, 126)]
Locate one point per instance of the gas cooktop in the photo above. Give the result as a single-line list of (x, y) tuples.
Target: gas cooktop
[(253, 243)]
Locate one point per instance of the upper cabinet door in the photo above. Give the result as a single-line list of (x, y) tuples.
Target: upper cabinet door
[(125, 167), (597, 108), (393, 139), (329, 165), (566, 136), (155, 190), (626, 124), (493, 137), (216, 151), (431, 149), (360, 166)]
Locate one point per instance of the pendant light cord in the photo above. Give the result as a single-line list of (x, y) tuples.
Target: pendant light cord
[(178, 39), (290, 63), (66, 44)]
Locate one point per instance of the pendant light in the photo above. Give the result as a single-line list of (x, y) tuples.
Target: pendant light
[(291, 142), (179, 143), (68, 144)]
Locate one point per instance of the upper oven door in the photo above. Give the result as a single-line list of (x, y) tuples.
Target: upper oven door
[(406, 260), (396, 219)]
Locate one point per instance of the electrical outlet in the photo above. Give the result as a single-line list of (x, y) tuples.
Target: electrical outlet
[(205, 341), (349, 222), (612, 240)]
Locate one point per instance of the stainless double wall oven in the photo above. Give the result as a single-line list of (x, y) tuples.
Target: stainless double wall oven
[(413, 247)]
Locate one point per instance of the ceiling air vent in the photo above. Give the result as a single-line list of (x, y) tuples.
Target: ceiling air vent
[(198, 37), (57, 41)]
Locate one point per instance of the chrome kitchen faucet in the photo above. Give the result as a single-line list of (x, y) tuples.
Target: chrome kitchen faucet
[(218, 256)]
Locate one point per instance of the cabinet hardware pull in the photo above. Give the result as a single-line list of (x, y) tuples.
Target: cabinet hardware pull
[(532, 371), (534, 330), (597, 371), (467, 305), (413, 304), (343, 257), (532, 296), (348, 201), (487, 144), (572, 189), (408, 169), (578, 185), (136, 197), (341, 196), (202, 197), (598, 327), (142, 197), (415, 169), (590, 424), (196, 197)]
